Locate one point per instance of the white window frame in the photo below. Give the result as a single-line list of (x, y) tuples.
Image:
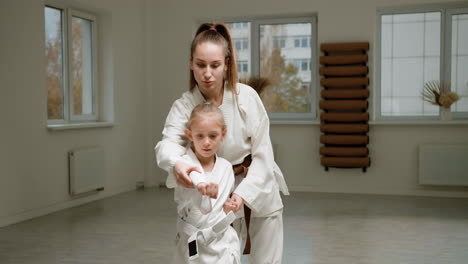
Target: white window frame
[(68, 115), (445, 58), (448, 50), (255, 60)]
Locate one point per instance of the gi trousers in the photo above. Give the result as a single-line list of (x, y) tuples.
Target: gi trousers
[(266, 235)]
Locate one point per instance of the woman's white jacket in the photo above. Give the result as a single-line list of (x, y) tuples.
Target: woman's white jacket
[(260, 189)]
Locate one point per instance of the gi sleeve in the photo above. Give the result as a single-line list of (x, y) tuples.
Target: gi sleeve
[(203, 202), (174, 142), (260, 181), (197, 178)]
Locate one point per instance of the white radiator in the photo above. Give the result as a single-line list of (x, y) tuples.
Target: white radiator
[(86, 170), (443, 165)]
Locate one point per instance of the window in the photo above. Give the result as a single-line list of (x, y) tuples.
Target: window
[(305, 85), (415, 48), (241, 44), (279, 42), (282, 51), (70, 42), (301, 64), (302, 42), (242, 67), (304, 65)]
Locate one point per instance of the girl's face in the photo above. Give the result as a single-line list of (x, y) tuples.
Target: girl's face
[(206, 135), (208, 65)]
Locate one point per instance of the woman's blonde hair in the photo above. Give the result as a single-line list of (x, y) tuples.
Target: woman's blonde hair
[(217, 33), (202, 110)]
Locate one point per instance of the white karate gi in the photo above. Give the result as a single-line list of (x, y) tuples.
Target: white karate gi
[(247, 133), (215, 243)]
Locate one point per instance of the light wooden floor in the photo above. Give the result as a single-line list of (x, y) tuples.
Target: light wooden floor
[(139, 227)]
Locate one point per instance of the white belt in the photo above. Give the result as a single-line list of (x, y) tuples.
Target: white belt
[(205, 235)]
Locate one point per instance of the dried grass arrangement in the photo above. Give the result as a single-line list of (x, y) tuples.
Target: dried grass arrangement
[(438, 93), (258, 83)]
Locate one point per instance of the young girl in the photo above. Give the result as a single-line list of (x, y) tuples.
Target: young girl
[(204, 231)]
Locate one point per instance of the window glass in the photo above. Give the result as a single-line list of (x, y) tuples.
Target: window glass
[(82, 66), (241, 37), (287, 68), (54, 63), (410, 57), (459, 58)]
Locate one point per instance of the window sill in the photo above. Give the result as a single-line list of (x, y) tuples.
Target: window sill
[(379, 122), (419, 122), (57, 127), (294, 122)]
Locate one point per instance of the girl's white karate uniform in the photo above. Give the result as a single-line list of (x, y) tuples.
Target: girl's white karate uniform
[(216, 240), (248, 132)]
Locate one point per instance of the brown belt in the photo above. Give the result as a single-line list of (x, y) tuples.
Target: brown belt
[(243, 168)]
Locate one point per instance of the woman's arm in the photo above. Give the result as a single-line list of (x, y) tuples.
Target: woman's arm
[(258, 186), (173, 145)]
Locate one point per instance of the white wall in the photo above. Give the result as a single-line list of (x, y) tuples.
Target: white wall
[(393, 148), (145, 63), (33, 160)]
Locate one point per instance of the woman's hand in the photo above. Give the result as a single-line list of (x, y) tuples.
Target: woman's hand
[(181, 173), (228, 206), (235, 204)]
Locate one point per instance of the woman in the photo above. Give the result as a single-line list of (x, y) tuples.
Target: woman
[(213, 78)]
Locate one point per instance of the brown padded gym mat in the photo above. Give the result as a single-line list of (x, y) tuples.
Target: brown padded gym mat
[(344, 128), (344, 152), (345, 162), (345, 94), (344, 82), (343, 70), (343, 104), (344, 47), (344, 117), (344, 139), (344, 59)]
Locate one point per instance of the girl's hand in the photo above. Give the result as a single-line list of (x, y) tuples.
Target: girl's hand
[(181, 173), (208, 189)]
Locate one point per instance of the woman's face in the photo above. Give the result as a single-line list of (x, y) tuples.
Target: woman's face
[(208, 65)]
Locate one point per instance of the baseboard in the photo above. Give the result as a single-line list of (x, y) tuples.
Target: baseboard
[(37, 212), (454, 193)]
